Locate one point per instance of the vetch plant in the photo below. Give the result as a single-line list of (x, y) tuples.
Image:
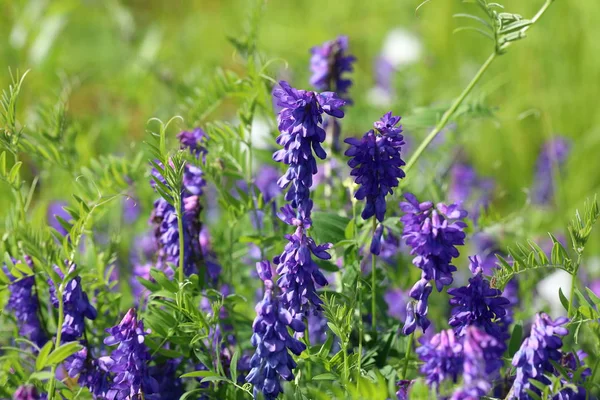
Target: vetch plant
[(130, 276)]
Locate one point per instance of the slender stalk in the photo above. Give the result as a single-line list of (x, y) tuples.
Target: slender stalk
[(573, 284), (449, 113), (61, 318), (407, 355), (373, 288), (181, 239), (327, 168)]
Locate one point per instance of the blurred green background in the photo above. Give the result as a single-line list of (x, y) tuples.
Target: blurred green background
[(124, 61)]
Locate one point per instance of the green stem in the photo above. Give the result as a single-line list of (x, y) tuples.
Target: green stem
[(61, 318), (449, 113), (181, 241), (373, 288), (573, 284), (407, 355)]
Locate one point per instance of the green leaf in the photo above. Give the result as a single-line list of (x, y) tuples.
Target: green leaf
[(41, 375), (199, 374), (563, 300), (515, 340), (64, 351), (163, 280), (329, 227), (233, 365), (327, 376), (40, 361)]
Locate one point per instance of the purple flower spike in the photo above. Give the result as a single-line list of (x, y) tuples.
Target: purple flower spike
[(300, 121), (482, 361), (76, 305), (27, 392), (129, 362), (195, 141), (552, 156), (478, 304), (433, 234), (328, 64), (272, 341), (25, 304), (376, 164), (532, 360), (467, 188), (299, 274), (442, 357), (416, 311)]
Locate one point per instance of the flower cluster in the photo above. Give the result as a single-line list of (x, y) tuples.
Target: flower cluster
[(299, 123), (475, 356), (76, 306), (89, 373), (433, 234), (164, 215), (298, 272), (376, 164), (272, 341), (533, 359), (328, 64), (28, 392), (478, 304), (482, 355), (552, 156), (24, 303), (129, 362)]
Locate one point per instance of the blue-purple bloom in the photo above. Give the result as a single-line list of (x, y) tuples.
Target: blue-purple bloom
[(299, 123), (28, 392), (396, 300), (433, 234), (417, 309), (89, 373), (482, 361), (76, 306), (328, 64), (25, 304), (442, 357), (296, 268), (466, 187), (55, 209), (552, 156), (376, 164), (477, 304), (129, 362), (532, 360), (272, 341), (164, 215), (403, 389)]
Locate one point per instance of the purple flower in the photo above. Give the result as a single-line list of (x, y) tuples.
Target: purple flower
[(129, 362), (298, 272), (467, 187), (433, 234), (91, 375), (272, 341), (195, 141), (572, 362), (328, 64), (317, 328), (552, 156), (213, 267), (170, 386), (28, 392), (442, 357), (478, 304), (396, 300), (266, 182), (76, 306), (416, 311), (25, 304), (532, 360), (376, 164), (56, 209), (300, 122), (403, 388), (384, 74), (482, 362), (131, 209)]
